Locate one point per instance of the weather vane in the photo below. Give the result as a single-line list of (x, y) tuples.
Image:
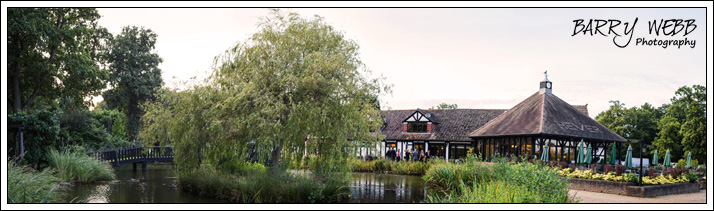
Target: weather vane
[(546, 74)]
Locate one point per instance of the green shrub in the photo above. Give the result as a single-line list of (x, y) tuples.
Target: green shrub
[(493, 192), (394, 167), (681, 163), (25, 185), (503, 182), (236, 166), (691, 176), (74, 166), (694, 163), (40, 134)]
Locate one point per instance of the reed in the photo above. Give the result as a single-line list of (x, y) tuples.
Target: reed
[(26, 185), (270, 186), (503, 182), (79, 167)]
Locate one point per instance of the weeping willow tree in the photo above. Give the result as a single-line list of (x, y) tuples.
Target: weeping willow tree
[(295, 80)]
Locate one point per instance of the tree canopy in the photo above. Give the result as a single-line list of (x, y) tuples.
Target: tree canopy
[(295, 81), (53, 52), (446, 106), (133, 74), (679, 126), (638, 123), (683, 126)]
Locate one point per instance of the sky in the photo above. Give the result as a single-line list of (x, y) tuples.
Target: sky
[(487, 58)]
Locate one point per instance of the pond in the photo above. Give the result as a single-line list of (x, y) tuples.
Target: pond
[(386, 188), (159, 185)]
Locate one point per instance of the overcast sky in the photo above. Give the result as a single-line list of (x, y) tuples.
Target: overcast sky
[(476, 58)]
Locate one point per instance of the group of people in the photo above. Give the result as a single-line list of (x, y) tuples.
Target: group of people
[(407, 155)]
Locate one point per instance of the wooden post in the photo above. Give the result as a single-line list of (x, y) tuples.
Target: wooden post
[(134, 166), (21, 146), (116, 157), (143, 166)]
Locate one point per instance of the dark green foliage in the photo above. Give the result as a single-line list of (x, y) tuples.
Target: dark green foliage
[(40, 134), (638, 123), (683, 127), (92, 129), (133, 74), (53, 52), (679, 126)]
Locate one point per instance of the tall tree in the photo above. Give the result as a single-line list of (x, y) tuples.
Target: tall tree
[(638, 123), (295, 79), (614, 118), (683, 126), (133, 74), (53, 52)]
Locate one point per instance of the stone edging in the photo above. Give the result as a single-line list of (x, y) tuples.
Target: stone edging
[(632, 189)]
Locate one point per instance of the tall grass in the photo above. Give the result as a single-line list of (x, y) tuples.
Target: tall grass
[(449, 176), (394, 167), (79, 167), (504, 182), (25, 185), (269, 186)]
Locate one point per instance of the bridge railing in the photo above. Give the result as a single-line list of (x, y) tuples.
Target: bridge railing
[(132, 155)]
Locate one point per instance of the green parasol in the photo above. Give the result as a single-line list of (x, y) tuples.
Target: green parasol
[(667, 162), (580, 153), (544, 154), (628, 158), (689, 160), (613, 154), (654, 159), (589, 156)]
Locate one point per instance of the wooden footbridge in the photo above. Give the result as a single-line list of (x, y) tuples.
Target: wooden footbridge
[(134, 155)]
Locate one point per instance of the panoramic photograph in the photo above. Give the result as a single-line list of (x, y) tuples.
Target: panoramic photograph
[(288, 107)]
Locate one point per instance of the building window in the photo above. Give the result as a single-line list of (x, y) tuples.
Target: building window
[(416, 127)]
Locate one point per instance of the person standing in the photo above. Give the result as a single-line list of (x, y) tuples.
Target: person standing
[(407, 155), (415, 155)]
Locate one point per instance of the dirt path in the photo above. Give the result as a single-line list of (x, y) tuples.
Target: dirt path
[(593, 197)]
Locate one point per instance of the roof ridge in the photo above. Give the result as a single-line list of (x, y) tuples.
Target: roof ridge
[(502, 115), (542, 113)]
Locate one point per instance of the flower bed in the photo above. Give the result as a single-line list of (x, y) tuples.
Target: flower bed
[(626, 184), (628, 177)]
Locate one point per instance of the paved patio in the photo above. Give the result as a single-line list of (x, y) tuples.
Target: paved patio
[(593, 197)]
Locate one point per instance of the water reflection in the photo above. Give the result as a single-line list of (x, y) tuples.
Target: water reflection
[(386, 188), (157, 185)]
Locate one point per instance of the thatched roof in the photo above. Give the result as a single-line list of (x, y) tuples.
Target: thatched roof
[(546, 114), (451, 124)]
